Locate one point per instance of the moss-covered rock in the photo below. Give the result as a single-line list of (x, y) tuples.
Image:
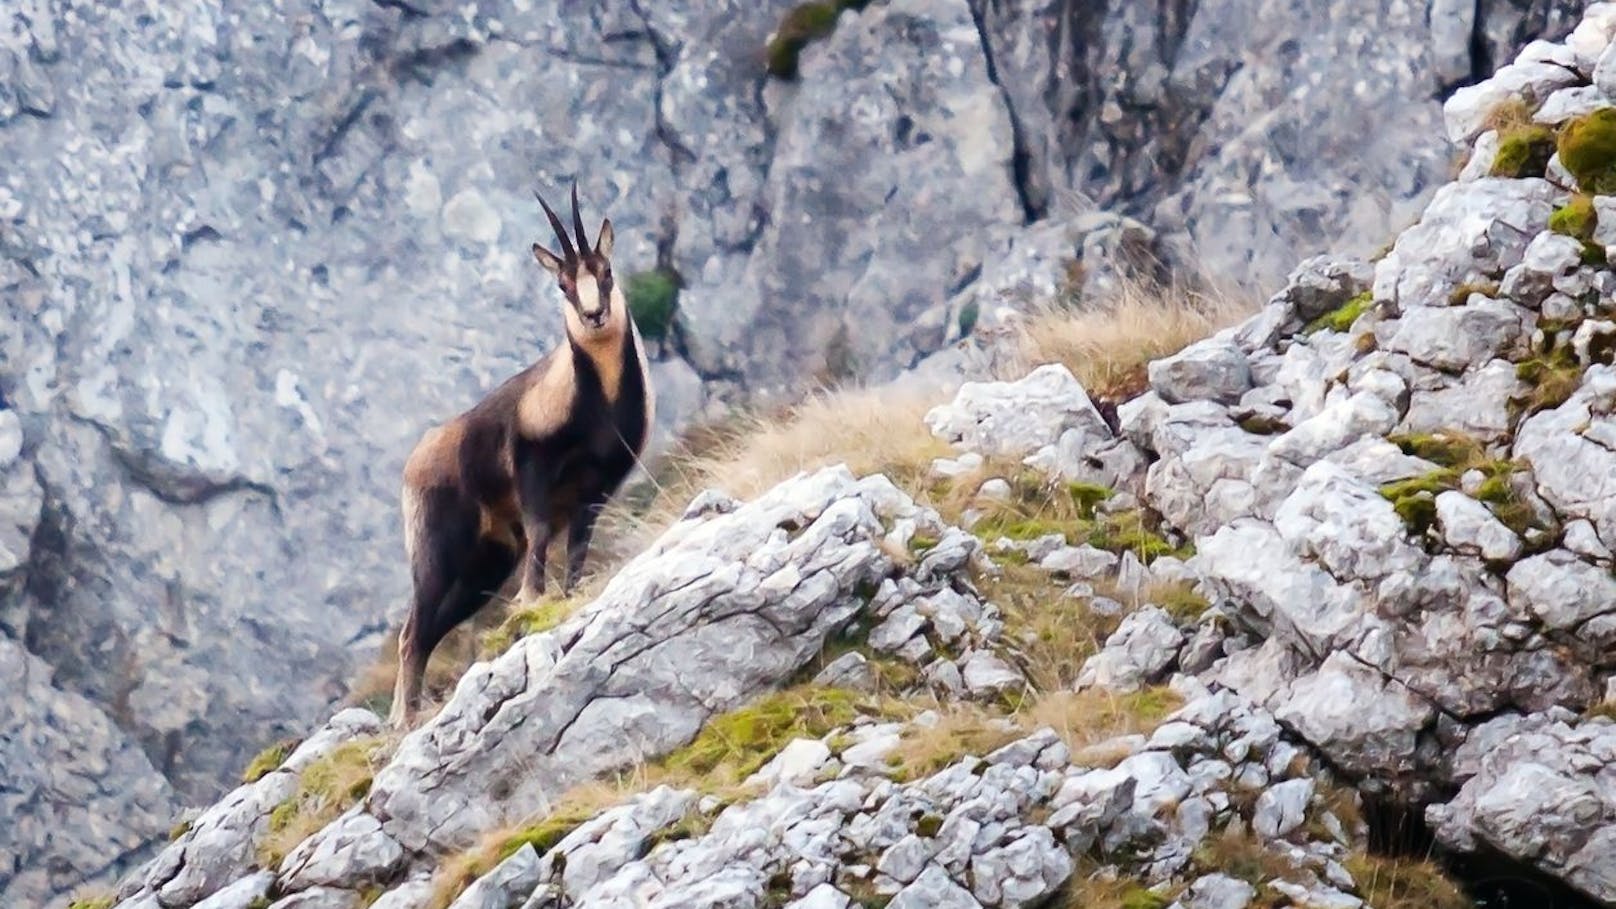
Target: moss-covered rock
[(1415, 499), (1576, 218), (267, 760), (1587, 148), (1341, 318), (1523, 151), (803, 25)]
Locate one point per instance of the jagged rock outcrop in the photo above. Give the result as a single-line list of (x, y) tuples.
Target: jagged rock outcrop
[(282, 237)]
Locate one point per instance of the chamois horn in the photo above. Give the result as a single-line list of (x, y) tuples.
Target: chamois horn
[(555, 225), (578, 221)]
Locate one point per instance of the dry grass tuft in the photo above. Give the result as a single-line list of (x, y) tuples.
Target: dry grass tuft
[(961, 729), (1098, 887), (572, 809), (870, 430), (1108, 347), (1404, 883), (1087, 720)]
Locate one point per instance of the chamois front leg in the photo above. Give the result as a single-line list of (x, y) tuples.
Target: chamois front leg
[(534, 490), (579, 533)]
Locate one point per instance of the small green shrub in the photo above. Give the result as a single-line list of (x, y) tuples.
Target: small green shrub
[(653, 298), (1340, 319), (802, 26), (968, 315), (1523, 151), (1587, 147), (93, 902)]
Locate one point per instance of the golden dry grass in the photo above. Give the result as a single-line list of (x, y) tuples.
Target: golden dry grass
[(870, 430), (573, 808), (1404, 883), (1109, 346)]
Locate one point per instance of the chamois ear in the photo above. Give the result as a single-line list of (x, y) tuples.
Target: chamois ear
[(603, 240), (548, 259)]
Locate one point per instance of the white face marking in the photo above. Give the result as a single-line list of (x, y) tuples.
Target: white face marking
[(588, 294)]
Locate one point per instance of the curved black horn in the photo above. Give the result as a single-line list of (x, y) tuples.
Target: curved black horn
[(555, 225), (578, 221)]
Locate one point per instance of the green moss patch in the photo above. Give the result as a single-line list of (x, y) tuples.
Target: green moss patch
[(1443, 448), (1341, 318), (1587, 148), (326, 787), (1523, 151), (1415, 499), (653, 298), (94, 902), (268, 760), (802, 26), (1088, 496), (1180, 601), (1575, 218), (737, 743), (524, 622)]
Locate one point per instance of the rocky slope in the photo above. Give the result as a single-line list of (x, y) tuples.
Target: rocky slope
[(1352, 557), (247, 251)]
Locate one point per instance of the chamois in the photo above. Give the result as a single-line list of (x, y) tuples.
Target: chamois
[(539, 456)]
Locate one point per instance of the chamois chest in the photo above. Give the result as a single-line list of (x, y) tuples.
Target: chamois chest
[(594, 445)]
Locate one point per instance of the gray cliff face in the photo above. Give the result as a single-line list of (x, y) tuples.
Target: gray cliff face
[(1257, 132), (249, 251)]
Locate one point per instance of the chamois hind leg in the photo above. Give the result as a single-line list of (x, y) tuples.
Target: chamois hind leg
[(488, 568), (442, 530)]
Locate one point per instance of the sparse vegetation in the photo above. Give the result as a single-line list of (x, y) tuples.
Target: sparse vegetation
[(1108, 347), (1237, 852), (267, 760), (100, 901), (1552, 377), (570, 811), (653, 298), (803, 25), (326, 787), (1404, 883), (1587, 146), (1341, 319), (1605, 709), (1095, 887), (1460, 295)]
